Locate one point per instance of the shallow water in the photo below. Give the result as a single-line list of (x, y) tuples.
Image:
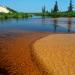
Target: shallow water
[(38, 25)]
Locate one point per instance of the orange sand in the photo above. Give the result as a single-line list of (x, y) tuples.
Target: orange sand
[(56, 53), (15, 54)]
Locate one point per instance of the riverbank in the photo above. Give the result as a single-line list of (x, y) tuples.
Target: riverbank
[(15, 54), (51, 54), (56, 53)]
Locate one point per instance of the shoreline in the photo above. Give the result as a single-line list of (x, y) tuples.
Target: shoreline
[(22, 59), (19, 60)]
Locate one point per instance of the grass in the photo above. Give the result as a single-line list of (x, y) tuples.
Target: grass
[(14, 15), (56, 14), (17, 15)]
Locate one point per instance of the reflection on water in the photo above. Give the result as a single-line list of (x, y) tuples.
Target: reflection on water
[(69, 24), (55, 21), (43, 21), (39, 24)]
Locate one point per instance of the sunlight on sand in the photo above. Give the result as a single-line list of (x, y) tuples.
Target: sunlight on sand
[(57, 53)]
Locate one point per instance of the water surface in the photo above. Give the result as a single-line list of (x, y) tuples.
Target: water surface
[(39, 25)]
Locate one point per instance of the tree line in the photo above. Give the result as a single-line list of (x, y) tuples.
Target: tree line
[(55, 12), (56, 8)]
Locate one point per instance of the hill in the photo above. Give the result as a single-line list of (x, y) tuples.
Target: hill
[(4, 9)]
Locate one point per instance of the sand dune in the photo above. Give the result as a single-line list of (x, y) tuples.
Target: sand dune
[(56, 53), (3, 9)]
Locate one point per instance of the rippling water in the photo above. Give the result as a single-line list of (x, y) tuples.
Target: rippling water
[(39, 25)]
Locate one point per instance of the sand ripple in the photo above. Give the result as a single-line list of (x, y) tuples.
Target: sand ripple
[(56, 53), (15, 54)]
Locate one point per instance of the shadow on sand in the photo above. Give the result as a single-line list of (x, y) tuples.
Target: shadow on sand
[(3, 71)]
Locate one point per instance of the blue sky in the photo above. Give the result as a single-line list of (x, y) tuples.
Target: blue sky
[(34, 5)]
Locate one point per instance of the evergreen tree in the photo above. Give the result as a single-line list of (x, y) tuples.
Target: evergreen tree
[(70, 8), (51, 10), (56, 7), (44, 9)]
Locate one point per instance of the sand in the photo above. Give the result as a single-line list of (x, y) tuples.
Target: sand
[(37, 54), (56, 53), (15, 54), (3, 9)]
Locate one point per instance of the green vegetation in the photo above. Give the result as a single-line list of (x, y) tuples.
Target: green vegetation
[(11, 10), (44, 9), (14, 15), (56, 9), (56, 13), (70, 8), (63, 14)]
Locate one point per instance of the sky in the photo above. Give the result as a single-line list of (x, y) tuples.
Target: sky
[(35, 5)]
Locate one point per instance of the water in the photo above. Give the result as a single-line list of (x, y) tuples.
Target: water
[(39, 25)]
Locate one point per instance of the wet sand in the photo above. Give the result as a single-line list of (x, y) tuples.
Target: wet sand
[(15, 54), (56, 53), (37, 54)]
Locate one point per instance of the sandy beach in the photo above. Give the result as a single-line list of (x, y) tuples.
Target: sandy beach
[(15, 54), (37, 54), (56, 52)]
